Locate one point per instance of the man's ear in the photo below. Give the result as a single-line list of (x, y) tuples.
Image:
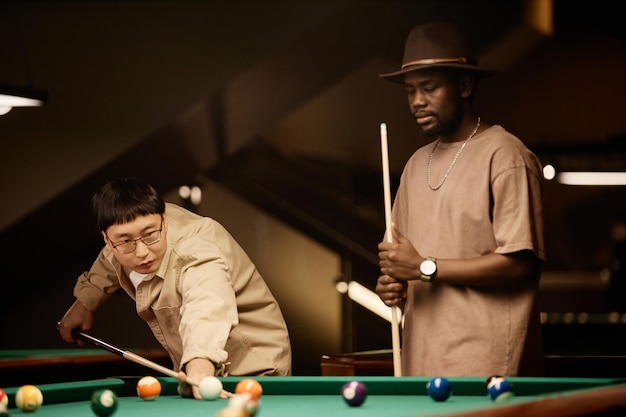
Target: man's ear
[(104, 236), (467, 84)]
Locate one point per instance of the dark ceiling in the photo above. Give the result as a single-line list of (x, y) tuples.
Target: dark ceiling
[(185, 85)]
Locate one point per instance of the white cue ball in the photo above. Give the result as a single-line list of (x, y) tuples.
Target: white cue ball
[(210, 388)]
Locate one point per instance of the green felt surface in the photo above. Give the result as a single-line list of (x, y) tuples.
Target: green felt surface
[(308, 396)]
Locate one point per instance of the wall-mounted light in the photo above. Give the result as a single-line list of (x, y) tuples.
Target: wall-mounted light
[(193, 194), (592, 178), (12, 96), (584, 178), (368, 299)]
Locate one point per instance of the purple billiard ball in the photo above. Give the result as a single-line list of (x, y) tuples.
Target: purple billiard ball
[(439, 389), (499, 389), (354, 393)]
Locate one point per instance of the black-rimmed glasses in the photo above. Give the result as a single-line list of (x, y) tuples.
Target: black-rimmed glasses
[(148, 239)]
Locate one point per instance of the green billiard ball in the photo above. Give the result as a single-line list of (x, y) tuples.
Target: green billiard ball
[(104, 402)]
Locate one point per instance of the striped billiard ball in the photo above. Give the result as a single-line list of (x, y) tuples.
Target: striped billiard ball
[(354, 393), (104, 402)]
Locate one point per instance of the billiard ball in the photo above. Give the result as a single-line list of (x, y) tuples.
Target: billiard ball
[(148, 388), (245, 403), (354, 393), (231, 412), (210, 388), (251, 386), (103, 402), (252, 407), (28, 398), (4, 411), (185, 390), (439, 389), (499, 389), (491, 378), (4, 400)]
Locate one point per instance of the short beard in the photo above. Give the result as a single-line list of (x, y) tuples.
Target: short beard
[(432, 132), (445, 127)]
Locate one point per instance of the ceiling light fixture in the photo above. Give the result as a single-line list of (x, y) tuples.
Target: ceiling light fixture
[(12, 96)]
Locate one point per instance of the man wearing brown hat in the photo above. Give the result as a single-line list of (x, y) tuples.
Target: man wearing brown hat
[(468, 229)]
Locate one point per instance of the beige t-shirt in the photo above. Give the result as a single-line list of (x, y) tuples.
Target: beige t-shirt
[(490, 202)]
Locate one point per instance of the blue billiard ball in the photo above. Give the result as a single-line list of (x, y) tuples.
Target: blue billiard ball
[(354, 393), (439, 389), (491, 378), (499, 389)]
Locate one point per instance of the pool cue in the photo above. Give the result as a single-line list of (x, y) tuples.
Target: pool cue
[(395, 334), (128, 355)]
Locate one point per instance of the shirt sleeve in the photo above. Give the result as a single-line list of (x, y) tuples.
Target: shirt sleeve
[(517, 213), (208, 310), (97, 285), (399, 211)]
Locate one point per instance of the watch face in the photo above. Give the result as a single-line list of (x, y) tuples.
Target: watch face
[(428, 267)]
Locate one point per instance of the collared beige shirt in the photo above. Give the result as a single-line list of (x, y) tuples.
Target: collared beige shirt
[(207, 299)]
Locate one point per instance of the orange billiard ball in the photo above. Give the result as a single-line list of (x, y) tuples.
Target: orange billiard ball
[(148, 388), (250, 386)]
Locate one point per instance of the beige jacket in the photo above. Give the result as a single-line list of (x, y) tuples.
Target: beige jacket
[(207, 299)]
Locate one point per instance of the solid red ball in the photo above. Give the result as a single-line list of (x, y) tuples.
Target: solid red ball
[(4, 400)]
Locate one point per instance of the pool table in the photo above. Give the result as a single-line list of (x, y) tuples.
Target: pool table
[(380, 363), (305, 396), (43, 366)]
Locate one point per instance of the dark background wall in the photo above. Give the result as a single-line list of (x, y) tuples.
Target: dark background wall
[(220, 94)]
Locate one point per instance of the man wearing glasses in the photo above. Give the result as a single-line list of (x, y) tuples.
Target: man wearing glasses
[(199, 292)]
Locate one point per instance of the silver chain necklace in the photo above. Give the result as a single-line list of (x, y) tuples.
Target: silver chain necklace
[(430, 158)]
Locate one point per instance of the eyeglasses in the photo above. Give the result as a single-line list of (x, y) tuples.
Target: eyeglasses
[(148, 239)]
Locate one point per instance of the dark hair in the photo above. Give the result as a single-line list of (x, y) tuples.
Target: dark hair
[(123, 200)]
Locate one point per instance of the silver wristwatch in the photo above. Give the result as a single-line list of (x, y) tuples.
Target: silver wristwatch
[(428, 269)]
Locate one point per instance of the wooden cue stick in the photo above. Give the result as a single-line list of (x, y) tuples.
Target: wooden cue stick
[(395, 335), (128, 355)]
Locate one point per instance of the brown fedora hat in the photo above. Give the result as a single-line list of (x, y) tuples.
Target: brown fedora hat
[(440, 44)]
